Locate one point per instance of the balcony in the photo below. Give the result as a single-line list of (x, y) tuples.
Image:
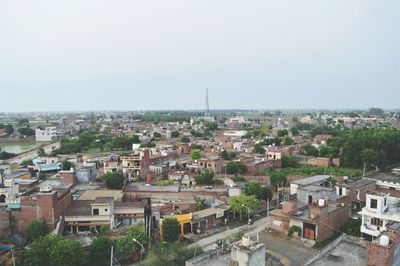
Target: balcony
[(369, 231)]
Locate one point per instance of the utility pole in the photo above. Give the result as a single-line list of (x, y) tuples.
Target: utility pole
[(268, 221), (277, 195), (112, 255), (364, 169)]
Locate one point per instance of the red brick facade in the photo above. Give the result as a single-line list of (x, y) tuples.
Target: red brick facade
[(44, 206)]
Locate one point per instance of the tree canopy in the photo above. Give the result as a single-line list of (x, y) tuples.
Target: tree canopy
[(278, 178), (243, 203), (99, 251), (35, 230), (309, 150), (235, 167), (378, 146), (113, 180), (195, 155), (170, 229), (52, 250), (67, 253), (170, 254), (67, 165), (207, 178), (26, 131), (125, 244)]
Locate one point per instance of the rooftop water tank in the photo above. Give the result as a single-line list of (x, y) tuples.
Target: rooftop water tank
[(321, 202), (384, 241), (246, 242)]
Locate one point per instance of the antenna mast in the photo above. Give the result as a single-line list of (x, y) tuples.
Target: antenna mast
[(207, 114)]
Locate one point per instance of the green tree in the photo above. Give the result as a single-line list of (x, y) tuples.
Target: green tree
[(99, 251), (254, 189), (384, 141), (195, 155), (148, 145), (239, 178), (35, 230), (86, 139), (185, 139), (241, 204), (289, 161), (328, 151), (26, 131), (205, 178), (375, 111), (171, 254), (67, 253), (235, 167), (370, 156), (267, 193), (331, 182), (157, 135), (174, 134), (170, 230), (113, 180), (23, 121), (39, 252), (9, 129), (283, 132), (278, 178), (295, 131), (67, 165), (272, 141), (309, 150), (41, 152), (26, 163), (287, 141), (125, 244), (228, 155), (258, 148)]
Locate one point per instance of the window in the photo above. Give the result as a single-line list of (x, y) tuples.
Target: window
[(105, 210), (340, 191), (374, 204), (309, 199), (376, 222), (95, 211), (384, 204)]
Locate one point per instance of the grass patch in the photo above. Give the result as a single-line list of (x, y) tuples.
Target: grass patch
[(324, 243), (352, 228), (312, 170)]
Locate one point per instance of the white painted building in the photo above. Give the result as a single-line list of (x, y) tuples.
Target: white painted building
[(236, 133), (46, 134), (380, 210)]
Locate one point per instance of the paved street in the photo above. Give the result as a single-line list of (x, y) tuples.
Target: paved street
[(291, 252)]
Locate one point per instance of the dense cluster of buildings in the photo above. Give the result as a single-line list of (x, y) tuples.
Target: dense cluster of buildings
[(160, 182)]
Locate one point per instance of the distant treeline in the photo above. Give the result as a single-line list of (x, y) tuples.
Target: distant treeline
[(90, 140)]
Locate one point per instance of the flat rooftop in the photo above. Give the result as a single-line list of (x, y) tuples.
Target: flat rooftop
[(315, 188), (361, 183), (345, 253), (150, 188), (92, 194), (384, 177), (310, 180)]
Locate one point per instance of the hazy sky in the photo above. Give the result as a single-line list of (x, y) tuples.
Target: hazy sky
[(137, 55)]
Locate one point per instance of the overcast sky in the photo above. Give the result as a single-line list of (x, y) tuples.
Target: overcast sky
[(140, 55)]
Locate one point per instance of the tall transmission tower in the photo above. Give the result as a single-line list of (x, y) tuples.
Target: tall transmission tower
[(207, 111)]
